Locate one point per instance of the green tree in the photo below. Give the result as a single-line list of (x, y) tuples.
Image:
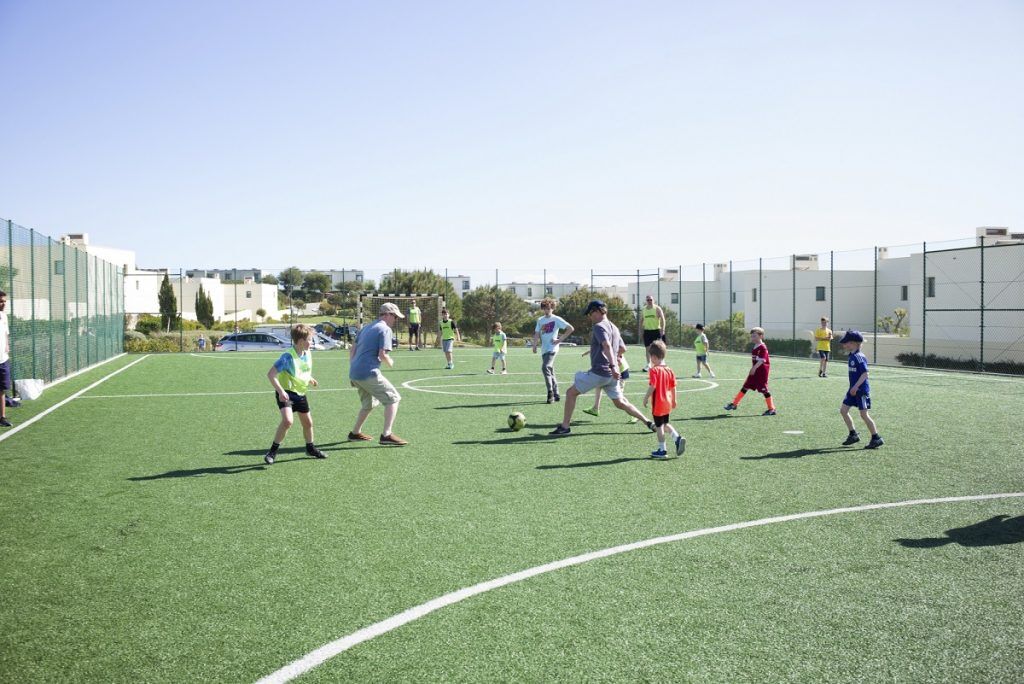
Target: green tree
[(168, 304), (489, 304), (204, 307), (269, 279), (261, 312), (288, 280), (421, 282), (316, 283), (572, 306)]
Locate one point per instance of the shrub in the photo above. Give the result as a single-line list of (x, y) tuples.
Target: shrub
[(970, 364)]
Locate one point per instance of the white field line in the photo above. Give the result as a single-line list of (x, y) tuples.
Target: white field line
[(205, 394), (77, 394), (328, 651)]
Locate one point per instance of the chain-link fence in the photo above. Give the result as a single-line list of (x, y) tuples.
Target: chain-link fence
[(65, 307)]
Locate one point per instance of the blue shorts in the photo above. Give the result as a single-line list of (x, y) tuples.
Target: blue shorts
[(5, 375), (823, 354), (861, 401), (702, 358)]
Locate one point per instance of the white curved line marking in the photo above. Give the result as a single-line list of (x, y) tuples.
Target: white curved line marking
[(328, 651), (433, 389)]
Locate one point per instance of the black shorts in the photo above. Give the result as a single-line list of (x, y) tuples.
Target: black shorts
[(823, 354), (652, 336), (299, 402), (5, 375), (414, 328), (661, 420)]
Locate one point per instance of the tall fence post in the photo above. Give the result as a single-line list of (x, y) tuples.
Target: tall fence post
[(181, 310), (832, 287), (924, 304), (679, 304), (981, 306), (32, 289), (49, 296), (64, 315), (704, 292), (760, 297), (730, 304), (792, 344), (874, 309)]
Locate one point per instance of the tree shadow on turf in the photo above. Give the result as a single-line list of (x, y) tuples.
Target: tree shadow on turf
[(796, 453), (590, 464), (996, 531)]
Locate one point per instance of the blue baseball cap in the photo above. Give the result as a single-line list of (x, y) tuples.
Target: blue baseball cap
[(852, 336), (594, 305)]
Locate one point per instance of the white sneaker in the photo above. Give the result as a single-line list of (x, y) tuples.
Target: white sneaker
[(697, 375), (504, 372), (490, 371), (712, 375)]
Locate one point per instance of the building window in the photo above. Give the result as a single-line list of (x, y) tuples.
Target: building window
[(465, 284), (58, 267), (675, 297), (549, 291), (753, 295), (819, 293), (359, 277), (529, 292), (904, 293), (931, 286), (733, 297), (248, 294)]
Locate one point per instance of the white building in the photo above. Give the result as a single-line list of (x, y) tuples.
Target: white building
[(462, 284), (534, 292)]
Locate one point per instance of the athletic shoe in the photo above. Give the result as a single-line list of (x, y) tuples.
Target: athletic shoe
[(820, 375), (645, 369), (490, 371), (696, 375), (730, 406), (559, 431), (449, 366), (551, 398), (680, 445), (632, 419), (359, 437), (558, 397), (824, 375), (269, 458), (875, 442), (315, 453), (769, 412), (504, 372), (592, 412), (659, 453), (392, 440), (651, 426), (4, 422), (851, 438), (712, 375)]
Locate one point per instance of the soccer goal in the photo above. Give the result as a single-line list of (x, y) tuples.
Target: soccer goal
[(430, 308)]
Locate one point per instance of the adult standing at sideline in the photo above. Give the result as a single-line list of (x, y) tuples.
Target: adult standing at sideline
[(546, 336), (415, 333), (605, 341), (365, 356), (654, 327), (5, 360)]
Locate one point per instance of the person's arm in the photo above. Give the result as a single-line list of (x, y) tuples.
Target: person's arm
[(536, 339), (661, 320), (707, 344), (757, 364), (606, 349), (458, 333), (385, 358), (352, 351), (282, 396), (650, 393), (566, 331)]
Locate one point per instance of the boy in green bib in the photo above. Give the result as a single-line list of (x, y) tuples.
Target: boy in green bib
[(500, 342), (700, 345), (292, 376)]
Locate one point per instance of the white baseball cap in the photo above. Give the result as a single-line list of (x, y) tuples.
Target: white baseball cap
[(389, 308)]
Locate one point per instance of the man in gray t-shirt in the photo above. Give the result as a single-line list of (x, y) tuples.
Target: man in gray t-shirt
[(365, 356), (605, 343)]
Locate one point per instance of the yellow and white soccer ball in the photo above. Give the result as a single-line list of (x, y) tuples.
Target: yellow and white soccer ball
[(516, 421)]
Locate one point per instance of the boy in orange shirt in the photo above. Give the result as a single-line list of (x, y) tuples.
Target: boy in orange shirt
[(662, 390)]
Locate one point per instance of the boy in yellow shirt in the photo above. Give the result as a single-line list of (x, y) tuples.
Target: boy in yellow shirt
[(823, 341)]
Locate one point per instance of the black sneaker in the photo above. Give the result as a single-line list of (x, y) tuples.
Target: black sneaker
[(769, 412), (875, 442), (851, 438), (651, 426), (316, 453), (551, 398), (559, 431), (558, 397), (4, 422), (269, 458), (730, 406)]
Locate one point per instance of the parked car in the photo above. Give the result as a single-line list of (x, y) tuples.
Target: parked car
[(250, 341), (325, 342)]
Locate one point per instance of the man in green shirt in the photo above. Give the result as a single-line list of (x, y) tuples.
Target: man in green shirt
[(415, 315)]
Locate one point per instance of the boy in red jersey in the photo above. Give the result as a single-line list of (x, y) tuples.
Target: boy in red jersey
[(662, 389), (757, 379)]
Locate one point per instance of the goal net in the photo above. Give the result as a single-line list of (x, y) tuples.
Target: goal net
[(430, 313)]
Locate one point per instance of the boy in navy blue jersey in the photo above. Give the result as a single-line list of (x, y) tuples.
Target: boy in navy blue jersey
[(859, 395)]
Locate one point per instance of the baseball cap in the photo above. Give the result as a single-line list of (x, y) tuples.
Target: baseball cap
[(594, 305), (389, 308), (852, 336)]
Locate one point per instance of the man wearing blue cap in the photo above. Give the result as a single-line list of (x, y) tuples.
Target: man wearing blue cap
[(605, 341), (860, 392)]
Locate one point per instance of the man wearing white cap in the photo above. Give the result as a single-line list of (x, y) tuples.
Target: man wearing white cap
[(365, 356)]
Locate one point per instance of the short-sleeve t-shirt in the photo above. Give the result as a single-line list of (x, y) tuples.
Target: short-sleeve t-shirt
[(761, 352), (605, 331), (700, 344), (369, 342), (414, 314), (824, 339), (294, 371), (498, 340), (663, 380), (858, 366), (5, 334), (548, 328)]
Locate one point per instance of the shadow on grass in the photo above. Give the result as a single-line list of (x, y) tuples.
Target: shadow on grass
[(796, 453), (996, 531), (294, 450), (534, 436), (495, 405), (719, 416), (591, 464)]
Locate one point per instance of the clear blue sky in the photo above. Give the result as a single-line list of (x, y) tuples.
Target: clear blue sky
[(476, 135)]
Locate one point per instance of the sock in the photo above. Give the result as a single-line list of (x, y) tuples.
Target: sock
[(875, 436), (673, 431), (274, 447), (661, 446), (737, 399), (853, 432), (770, 402)]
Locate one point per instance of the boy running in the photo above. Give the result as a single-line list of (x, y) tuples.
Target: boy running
[(662, 389), (757, 378), (500, 342), (292, 376), (860, 392), (546, 336), (700, 345), (449, 332), (823, 341)]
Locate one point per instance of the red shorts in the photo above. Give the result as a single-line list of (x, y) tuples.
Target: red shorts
[(757, 382)]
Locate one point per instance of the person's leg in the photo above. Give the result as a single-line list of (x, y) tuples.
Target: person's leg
[(306, 419), (661, 437), (623, 404), (547, 371), (287, 418), (597, 402), (866, 417), (844, 411), (570, 405), (360, 419), (390, 412)]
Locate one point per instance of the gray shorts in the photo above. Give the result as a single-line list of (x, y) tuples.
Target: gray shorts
[(446, 346), (376, 390), (586, 381)]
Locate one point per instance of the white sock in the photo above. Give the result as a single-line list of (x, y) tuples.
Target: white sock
[(661, 446), (673, 431)]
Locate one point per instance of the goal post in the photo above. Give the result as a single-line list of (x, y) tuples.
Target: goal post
[(430, 307)]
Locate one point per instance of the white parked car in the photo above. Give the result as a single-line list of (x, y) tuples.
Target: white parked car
[(250, 341)]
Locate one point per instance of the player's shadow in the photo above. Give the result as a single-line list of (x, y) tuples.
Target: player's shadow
[(719, 416), (494, 405), (996, 531), (591, 464), (343, 444), (795, 453), (530, 437)]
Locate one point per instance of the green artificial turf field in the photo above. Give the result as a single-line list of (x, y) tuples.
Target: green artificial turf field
[(144, 539)]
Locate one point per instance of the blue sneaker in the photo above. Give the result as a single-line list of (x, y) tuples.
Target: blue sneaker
[(659, 453), (680, 445), (730, 406)]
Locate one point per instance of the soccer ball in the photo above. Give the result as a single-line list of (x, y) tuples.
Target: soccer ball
[(516, 421)]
